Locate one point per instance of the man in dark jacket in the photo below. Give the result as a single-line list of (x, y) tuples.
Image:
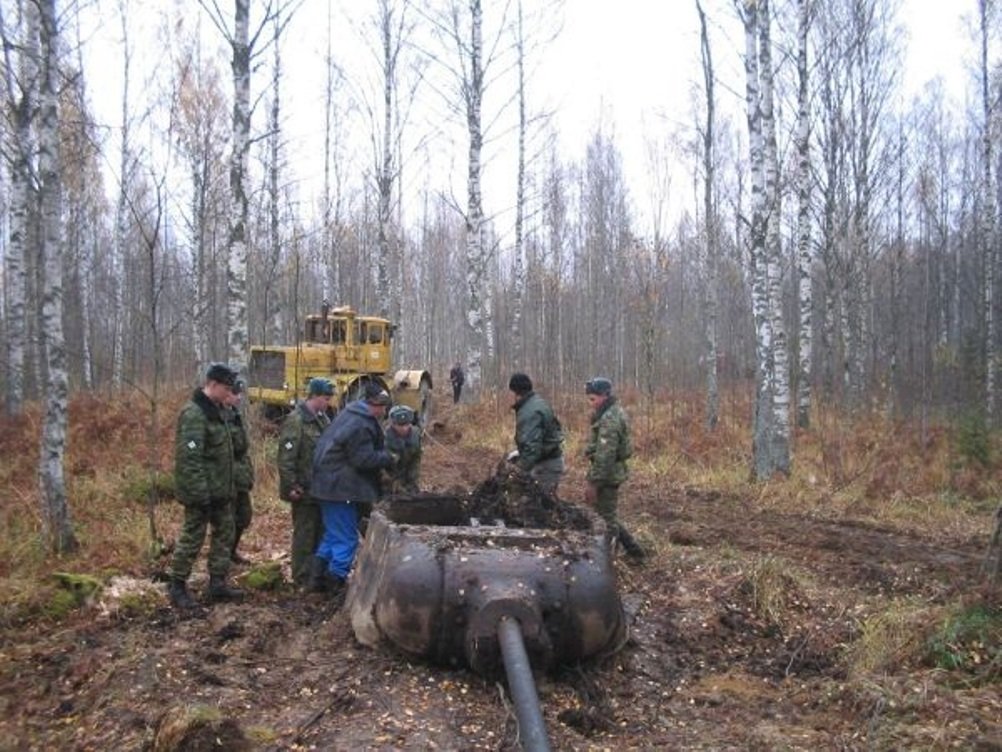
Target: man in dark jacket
[(457, 378), (346, 474), (205, 483), (538, 435), (300, 431), (609, 447)]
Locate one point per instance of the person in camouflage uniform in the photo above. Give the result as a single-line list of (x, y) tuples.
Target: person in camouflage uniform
[(205, 483), (539, 436), (609, 447), (300, 431), (243, 511), (403, 440)]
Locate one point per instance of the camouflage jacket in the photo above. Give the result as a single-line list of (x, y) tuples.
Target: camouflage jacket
[(243, 468), (404, 475), (296, 443), (538, 434), (203, 454), (609, 445)]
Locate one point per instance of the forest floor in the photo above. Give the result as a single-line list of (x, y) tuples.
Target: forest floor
[(754, 625)]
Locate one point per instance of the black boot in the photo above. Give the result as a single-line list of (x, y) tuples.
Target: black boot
[(177, 591), (316, 581), (234, 556), (630, 546), (220, 591)]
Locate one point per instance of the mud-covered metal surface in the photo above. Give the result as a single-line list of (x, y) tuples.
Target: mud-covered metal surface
[(436, 574)]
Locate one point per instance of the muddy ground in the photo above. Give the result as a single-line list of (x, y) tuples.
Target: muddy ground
[(705, 666)]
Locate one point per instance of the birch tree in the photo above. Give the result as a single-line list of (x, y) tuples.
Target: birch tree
[(805, 294), (51, 468), (126, 165), (242, 47), (987, 234), (22, 95), (710, 250), (518, 271), (771, 417)]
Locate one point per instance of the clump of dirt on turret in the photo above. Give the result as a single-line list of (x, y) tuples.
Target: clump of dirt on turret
[(514, 497)]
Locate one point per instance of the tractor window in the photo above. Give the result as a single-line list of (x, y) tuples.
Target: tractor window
[(340, 331), (375, 334), (315, 330), (361, 331)]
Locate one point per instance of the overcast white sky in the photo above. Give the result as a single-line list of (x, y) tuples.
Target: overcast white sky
[(630, 64)]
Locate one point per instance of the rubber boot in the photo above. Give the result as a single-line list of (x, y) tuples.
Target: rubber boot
[(234, 556), (177, 591), (220, 591), (316, 582)]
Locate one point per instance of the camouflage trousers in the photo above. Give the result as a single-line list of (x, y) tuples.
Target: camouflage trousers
[(243, 512), (218, 515), (307, 529), (606, 504)]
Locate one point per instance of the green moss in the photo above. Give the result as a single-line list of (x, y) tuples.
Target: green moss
[(266, 576), (83, 587), (59, 604)]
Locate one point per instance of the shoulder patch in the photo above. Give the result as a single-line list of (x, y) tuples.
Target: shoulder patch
[(288, 445), (192, 444)]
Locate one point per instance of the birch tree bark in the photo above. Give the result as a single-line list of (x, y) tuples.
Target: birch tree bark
[(125, 169), (770, 443), (236, 257), (51, 469), (779, 355), (805, 294), (710, 231), (518, 272), (22, 92), (988, 251)]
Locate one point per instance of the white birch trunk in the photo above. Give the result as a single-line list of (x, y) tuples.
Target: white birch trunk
[(272, 309), (710, 223), (51, 470), (518, 274), (384, 168), (22, 148), (779, 356), (762, 419), (236, 262), (121, 221), (475, 262), (988, 219), (805, 292)]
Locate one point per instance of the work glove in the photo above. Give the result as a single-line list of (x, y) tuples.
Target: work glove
[(591, 494)]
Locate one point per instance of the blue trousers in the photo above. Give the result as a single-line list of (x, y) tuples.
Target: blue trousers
[(340, 538)]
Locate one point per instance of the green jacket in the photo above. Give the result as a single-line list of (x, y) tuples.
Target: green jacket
[(538, 434), (298, 438), (203, 454), (243, 467), (609, 445), (406, 473)]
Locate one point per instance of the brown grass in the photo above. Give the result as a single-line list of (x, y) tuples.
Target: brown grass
[(866, 467)]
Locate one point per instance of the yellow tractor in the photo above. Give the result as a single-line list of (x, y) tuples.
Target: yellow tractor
[(340, 345)]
